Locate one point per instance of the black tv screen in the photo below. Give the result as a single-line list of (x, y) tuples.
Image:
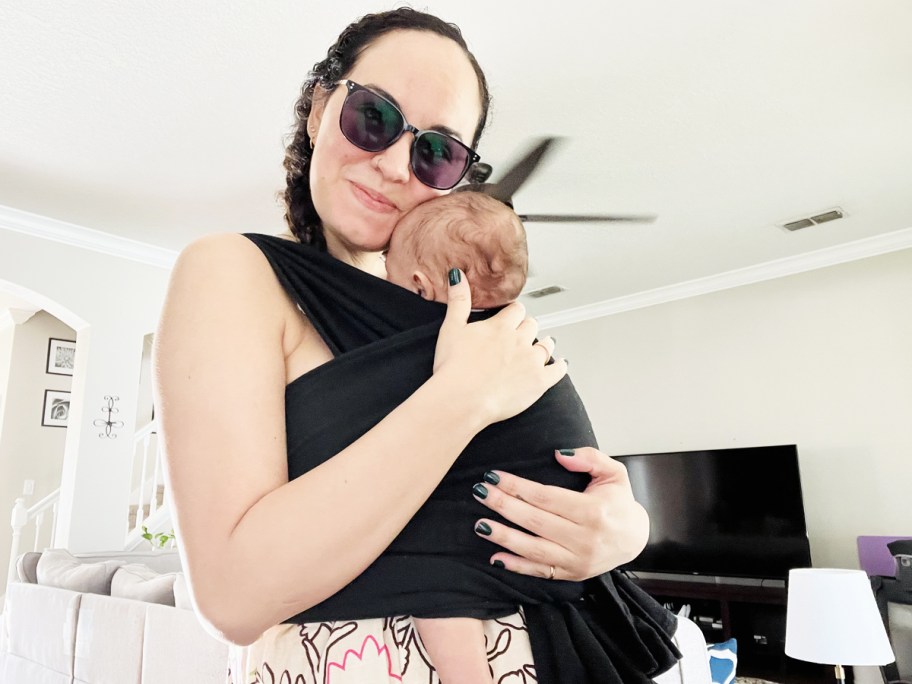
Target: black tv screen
[(722, 512)]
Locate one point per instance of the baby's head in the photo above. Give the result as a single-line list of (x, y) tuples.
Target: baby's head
[(467, 230)]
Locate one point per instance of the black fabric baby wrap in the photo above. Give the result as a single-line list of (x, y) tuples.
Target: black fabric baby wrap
[(383, 338)]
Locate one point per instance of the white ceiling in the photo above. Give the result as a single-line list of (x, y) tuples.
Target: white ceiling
[(162, 121)]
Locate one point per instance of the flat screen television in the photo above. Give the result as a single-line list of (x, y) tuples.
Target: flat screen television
[(721, 512)]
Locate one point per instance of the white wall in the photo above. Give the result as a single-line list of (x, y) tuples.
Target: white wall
[(112, 303), (7, 330), (822, 359), (29, 450)]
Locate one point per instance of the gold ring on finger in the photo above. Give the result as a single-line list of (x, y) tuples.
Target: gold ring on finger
[(548, 359), (551, 576)]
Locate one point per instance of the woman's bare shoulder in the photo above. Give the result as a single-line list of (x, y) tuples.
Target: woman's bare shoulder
[(225, 260), (230, 268), (215, 249)]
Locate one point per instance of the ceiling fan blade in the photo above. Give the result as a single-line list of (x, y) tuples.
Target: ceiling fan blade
[(586, 218), (520, 172)]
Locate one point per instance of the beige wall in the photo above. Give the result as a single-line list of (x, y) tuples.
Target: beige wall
[(29, 450), (822, 359)]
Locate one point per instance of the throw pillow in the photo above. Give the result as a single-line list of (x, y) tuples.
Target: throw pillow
[(136, 581), (27, 567), (723, 659), (59, 568)]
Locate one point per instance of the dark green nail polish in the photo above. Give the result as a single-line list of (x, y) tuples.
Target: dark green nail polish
[(483, 528), (567, 452), (492, 478), (454, 276), (498, 564), (480, 491)]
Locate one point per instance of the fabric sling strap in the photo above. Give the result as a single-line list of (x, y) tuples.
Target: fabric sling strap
[(383, 339)]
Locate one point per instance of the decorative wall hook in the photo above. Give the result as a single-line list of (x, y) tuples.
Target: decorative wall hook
[(108, 424)]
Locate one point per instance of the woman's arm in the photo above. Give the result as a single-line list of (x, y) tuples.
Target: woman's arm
[(257, 548)]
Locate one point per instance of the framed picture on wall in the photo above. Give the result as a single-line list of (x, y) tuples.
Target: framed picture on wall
[(61, 356), (56, 408)]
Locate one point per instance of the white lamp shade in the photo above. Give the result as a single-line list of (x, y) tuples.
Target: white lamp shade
[(833, 619)]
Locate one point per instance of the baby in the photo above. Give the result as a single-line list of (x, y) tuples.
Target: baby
[(485, 238), (467, 230)]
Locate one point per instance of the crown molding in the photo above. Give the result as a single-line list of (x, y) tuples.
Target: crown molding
[(159, 257), (73, 235), (770, 270)]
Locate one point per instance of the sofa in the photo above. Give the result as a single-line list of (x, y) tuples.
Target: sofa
[(126, 618), (146, 633)]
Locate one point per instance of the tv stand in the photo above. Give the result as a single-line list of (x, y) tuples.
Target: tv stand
[(754, 614)]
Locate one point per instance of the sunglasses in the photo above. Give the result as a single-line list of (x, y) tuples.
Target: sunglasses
[(373, 123)]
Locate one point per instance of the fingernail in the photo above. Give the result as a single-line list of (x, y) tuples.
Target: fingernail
[(498, 564), (480, 491), (454, 276), (483, 528), (567, 362), (567, 452), (492, 477)]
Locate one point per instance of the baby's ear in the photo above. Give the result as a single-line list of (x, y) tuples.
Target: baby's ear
[(423, 285)]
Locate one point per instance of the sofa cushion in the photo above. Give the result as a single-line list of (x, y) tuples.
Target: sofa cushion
[(27, 567), (59, 568), (182, 593), (16, 670), (41, 624), (193, 654), (109, 640), (136, 581)]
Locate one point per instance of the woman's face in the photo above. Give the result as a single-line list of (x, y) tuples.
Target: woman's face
[(361, 195)]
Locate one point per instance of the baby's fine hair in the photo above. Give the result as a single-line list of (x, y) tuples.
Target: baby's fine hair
[(486, 239)]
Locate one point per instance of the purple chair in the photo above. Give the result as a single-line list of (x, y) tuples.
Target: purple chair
[(874, 556)]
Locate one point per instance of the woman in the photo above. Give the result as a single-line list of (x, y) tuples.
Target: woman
[(258, 548)]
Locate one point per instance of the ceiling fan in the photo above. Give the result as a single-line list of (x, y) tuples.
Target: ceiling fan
[(518, 174)]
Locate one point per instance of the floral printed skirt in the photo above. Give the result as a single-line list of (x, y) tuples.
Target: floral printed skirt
[(376, 651)]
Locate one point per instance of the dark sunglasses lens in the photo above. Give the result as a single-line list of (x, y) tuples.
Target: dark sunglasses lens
[(438, 160), (369, 121)]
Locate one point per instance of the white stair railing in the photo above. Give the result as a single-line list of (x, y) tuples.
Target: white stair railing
[(147, 483), (22, 516)]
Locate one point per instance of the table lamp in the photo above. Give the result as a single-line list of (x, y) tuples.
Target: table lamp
[(832, 619)]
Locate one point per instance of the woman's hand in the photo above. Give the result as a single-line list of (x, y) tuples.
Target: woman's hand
[(497, 362), (579, 534)]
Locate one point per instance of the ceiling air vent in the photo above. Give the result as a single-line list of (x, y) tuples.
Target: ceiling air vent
[(830, 215), (545, 291), (798, 225)]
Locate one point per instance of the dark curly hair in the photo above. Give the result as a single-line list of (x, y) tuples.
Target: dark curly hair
[(341, 58)]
